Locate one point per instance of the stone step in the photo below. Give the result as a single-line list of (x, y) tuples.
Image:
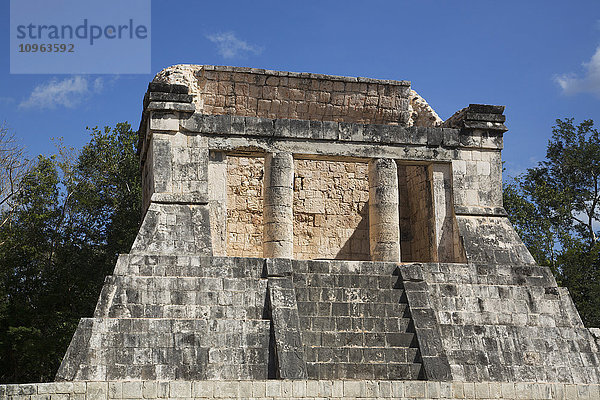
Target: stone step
[(213, 312), (324, 354), (322, 308), (491, 274), (191, 284), (332, 338), (365, 283), (391, 371), (359, 324), (362, 268), (346, 294)]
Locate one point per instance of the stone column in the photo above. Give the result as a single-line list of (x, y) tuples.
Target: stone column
[(384, 221), (217, 201), (278, 234)]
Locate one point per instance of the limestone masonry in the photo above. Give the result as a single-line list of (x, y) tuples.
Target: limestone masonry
[(317, 236)]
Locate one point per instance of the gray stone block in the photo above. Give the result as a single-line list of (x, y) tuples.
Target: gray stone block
[(260, 126), (286, 328), (278, 267)]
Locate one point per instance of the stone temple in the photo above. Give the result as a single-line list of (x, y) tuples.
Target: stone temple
[(315, 236)]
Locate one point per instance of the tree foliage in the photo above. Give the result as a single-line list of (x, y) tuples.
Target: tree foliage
[(13, 167), (74, 213), (555, 207)]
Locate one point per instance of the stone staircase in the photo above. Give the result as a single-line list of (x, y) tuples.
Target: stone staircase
[(175, 317), (355, 321), (216, 318)]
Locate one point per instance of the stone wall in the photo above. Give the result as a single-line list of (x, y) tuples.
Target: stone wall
[(175, 317), (245, 206), (278, 94), (475, 176), (331, 215), (406, 234), (298, 389), (504, 322), (449, 247), (421, 214)]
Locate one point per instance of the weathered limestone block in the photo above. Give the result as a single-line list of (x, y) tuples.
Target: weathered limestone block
[(421, 113), (286, 323), (173, 228), (384, 220), (492, 239), (278, 234)]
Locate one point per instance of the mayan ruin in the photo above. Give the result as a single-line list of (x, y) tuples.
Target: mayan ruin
[(312, 236)]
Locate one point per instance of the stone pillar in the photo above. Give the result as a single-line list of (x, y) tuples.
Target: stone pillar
[(278, 234), (384, 221), (217, 201)]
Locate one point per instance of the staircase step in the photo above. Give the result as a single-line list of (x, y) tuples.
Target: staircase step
[(362, 282), (349, 309), (392, 371), (348, 324), (358, 324), (358, 339), (362, 354)]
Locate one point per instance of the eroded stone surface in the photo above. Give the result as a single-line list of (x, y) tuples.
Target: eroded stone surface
[(421, 113)]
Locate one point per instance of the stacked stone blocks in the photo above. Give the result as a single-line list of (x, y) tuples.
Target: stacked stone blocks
[(331, 214), (244, 207), (476, 309), (175, 317), (302, 96)]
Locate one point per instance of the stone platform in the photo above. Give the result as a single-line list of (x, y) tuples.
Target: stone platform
[(298, 389), (313, 236)]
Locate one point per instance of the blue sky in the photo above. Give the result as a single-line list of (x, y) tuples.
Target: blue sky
[(539, 58)]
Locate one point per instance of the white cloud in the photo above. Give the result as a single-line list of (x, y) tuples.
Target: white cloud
[(68, 92), (589, 82), (229, 46)]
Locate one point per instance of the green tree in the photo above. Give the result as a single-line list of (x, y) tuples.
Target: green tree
[(74, 213), (13, 167), (555, 208)]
